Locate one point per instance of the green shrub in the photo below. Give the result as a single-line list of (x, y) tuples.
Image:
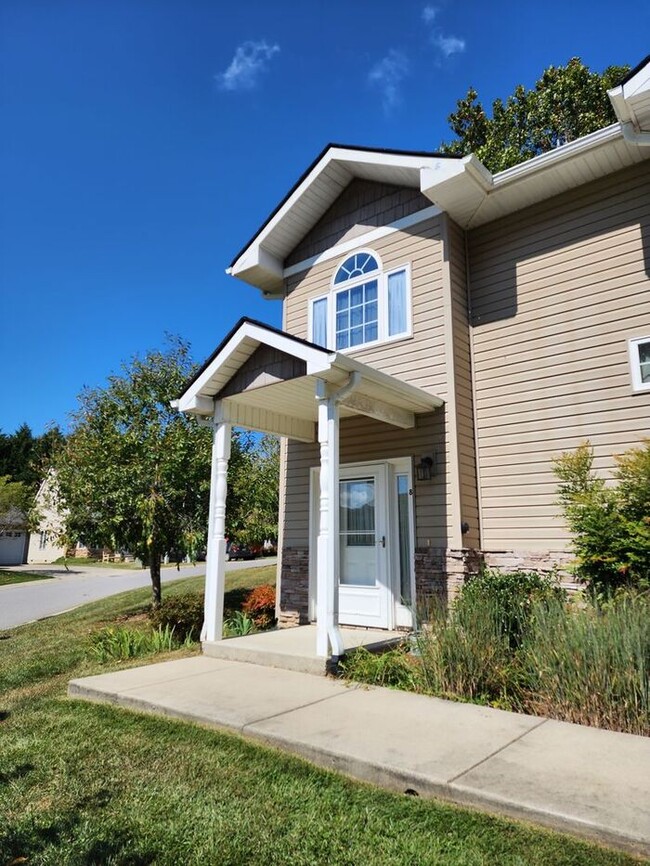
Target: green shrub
[(183, 613), (119, 643), (610, 524), (506, 599)]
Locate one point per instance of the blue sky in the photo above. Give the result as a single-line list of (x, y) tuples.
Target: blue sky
[(144, 141)]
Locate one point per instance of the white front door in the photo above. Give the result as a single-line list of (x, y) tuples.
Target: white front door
[(364, 586)]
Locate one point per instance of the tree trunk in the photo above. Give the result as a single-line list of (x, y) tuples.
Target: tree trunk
[(154, 570)]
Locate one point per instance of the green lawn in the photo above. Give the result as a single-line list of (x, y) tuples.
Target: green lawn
[(85, 784), (7, 577), (72, 561)]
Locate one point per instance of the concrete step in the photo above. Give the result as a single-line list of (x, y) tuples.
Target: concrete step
[(294, 649)]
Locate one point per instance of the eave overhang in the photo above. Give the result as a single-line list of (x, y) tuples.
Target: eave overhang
[(289, 407), (460, 186)]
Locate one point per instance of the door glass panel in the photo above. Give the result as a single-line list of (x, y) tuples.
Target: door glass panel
[(404, 534), (357, 531)]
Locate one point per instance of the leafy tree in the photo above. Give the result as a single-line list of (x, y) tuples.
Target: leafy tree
[(610, 523), (135, 473), (252, 512), (26, 457), (15, 499), (567, 102)]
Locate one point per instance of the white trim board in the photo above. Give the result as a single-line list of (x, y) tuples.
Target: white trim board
[(364, 240)]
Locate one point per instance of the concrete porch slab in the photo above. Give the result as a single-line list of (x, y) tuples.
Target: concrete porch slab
[(294, 649)]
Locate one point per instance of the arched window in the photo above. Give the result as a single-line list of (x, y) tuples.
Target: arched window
[(356, 266), (365, 305)]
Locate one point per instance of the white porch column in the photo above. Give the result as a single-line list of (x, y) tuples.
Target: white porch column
[(215, 571), (328, 638)]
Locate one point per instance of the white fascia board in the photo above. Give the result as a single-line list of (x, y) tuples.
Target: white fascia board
[(369, 157), (248, 258), (257, 259), (621, 108), (438, 172), (346, 156), (195, 405), (639, 83), (559, 155), (194, 401)]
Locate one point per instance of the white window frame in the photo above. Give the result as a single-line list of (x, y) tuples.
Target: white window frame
[(635, 363), (381, 276)]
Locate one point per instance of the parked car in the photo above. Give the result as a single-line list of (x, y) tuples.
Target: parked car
[(234, 550)]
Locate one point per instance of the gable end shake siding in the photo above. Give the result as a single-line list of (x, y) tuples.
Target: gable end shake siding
[(556, 292)]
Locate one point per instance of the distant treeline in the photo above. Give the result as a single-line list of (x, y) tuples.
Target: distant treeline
[(25, 457)]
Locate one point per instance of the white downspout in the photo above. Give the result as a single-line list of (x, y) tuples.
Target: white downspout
[(635, 136)]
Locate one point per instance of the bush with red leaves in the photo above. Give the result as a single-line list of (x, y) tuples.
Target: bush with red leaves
[(260, 606)]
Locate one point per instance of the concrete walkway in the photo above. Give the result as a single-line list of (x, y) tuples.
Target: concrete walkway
[(583, 780)]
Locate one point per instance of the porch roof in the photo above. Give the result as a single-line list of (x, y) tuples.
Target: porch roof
[(279, 397)]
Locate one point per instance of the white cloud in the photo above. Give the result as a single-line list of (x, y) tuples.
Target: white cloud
[(387, 75), (429, 13), (448, 45), (249, 61)]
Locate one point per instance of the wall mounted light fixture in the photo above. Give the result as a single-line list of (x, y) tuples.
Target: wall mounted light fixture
[(425, 469)]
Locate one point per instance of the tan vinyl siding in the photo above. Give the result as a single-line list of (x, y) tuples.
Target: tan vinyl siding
[(557, 290), (463, 386), (363, 440), (420, 359), (362, 206)]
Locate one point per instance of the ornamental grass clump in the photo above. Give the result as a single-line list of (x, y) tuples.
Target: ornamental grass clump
[(589, 665), (118, 643), (465, 653)]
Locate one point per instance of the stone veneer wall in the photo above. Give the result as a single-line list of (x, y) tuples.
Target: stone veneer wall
[(440, 572), (294, 587)]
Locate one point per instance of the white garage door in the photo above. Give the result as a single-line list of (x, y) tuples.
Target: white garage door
[(12, 548)]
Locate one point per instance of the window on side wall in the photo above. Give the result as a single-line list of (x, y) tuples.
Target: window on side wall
[(640, 363), (365, 305)]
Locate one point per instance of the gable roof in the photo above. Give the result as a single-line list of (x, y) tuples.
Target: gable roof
[(289, 407), (461, 186)]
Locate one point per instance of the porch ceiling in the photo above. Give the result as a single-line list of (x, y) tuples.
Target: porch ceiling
[(288, 406)]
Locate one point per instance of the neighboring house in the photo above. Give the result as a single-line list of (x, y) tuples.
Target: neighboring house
[(14, 537), (446, 333), (43, 541)]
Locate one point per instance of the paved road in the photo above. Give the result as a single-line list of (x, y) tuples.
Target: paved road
[(26, 602)]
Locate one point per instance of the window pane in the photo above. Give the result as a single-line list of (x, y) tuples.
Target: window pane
[(371, 312), (404, 530), (342, 301), (355, 266), (342, 322), (356, 316), (356, 296), (645, 373), (342, 340), (356, 336), (397, 303), (370, 332), (371, 291), (319, 322)]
